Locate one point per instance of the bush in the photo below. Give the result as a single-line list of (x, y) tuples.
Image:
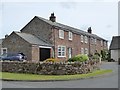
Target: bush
[(95, 57), (79, 57), (52, 60)]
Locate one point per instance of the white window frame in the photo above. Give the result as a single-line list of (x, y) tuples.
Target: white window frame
[(61, 34), (92, 40), (86, 39), (82, 50), (105, 44), (70, 35), (82, 38), (69, 52), (95, 41), (86, 51), (61, 46), (2, 50)]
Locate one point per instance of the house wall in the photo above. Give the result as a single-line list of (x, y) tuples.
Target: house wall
[(38, 28), (75, 44), (115, 54), (35, 53), (16, 44), (0, 48)]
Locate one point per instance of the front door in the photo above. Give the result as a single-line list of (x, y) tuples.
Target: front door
[(44, 53), (69, 52)]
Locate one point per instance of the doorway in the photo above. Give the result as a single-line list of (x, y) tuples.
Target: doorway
[(44, 53)]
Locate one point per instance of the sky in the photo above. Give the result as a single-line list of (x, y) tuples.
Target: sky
[(100, 15)]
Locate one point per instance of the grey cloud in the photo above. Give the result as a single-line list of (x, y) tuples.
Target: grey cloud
[(68, 5)]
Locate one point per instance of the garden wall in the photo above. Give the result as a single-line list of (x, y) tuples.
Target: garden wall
[(50, 68)]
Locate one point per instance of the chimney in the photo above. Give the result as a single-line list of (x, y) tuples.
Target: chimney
[(89, 30), (52, 17), (6, 35)]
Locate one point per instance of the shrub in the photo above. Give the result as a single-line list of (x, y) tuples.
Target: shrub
[(79, 57), (52, 60), (95, 57)]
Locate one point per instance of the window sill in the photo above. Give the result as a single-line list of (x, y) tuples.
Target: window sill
[(62, 56)]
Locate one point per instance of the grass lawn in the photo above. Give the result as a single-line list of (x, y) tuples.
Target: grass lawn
[(16, 76)]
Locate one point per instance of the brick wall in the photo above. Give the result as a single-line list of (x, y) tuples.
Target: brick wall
[(75, 44)]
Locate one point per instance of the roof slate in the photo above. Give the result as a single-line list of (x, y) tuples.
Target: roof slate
[(115, 43), (68, 28), (32, 39)]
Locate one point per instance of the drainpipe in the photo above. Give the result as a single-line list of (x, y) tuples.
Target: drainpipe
[(89, 46), (54, 40)]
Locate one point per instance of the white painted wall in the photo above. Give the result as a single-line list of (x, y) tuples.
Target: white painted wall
[(115, 54)]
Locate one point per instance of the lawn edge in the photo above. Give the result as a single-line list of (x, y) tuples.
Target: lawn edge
[(106, 73)]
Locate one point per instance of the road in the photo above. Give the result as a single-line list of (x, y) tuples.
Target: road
[(105, 81)]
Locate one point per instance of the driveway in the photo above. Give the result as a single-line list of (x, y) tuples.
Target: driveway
[(105, 81)]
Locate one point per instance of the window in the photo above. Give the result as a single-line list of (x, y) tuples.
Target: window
[(82, 38), (61, 34), (61, 51), (69, 52), (95, 41), (86, 39), (3, 51), (105, 44), (82, 50), (86, 51), (70, 35), (92, 40)]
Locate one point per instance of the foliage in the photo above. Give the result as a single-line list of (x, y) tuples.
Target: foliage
[(95, 57), (52, 60), (79, 57), (104, 54)]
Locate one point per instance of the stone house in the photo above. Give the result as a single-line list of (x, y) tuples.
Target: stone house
[(2, 50), (42, 38), (115, 48)]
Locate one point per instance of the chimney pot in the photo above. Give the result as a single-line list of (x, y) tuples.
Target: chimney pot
[(52, 17), (89, 30)]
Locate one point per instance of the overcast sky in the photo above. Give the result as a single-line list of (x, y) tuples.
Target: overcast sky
[(101, 15)]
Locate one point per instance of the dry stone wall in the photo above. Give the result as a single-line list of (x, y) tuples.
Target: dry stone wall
[(51, 68)]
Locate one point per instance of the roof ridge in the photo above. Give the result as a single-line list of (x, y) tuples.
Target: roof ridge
[(69, 28)]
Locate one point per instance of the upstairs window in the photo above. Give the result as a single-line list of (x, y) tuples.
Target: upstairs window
[(61, 34), (61, 51), (82, 38), (105, 43), (70, 35), (86, 39), (92, 40)]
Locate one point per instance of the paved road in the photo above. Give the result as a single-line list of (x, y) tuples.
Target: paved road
[(106, 81)]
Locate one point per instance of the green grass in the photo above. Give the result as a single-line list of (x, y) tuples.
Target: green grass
[(16, 76)]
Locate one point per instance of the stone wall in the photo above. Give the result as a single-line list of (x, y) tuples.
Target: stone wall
[(50, 68)]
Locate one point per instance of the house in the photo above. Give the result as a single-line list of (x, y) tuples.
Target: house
[(42, 38), (0, 46), (2, 50), (115, 48)]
